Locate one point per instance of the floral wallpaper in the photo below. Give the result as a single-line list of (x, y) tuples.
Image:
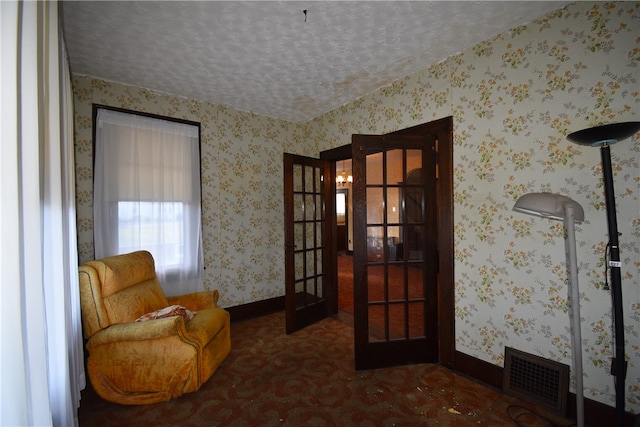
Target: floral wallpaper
[(513, 98)]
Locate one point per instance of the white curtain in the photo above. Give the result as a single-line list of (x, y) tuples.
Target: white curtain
[(42, 364), (147, 194)]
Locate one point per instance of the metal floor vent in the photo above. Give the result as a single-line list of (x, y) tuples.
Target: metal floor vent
[(536, 379)]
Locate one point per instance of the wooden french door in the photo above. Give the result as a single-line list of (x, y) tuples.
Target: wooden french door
[(307, 200), (395, 250)]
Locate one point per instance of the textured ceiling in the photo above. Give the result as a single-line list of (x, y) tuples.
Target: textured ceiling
[(271, 58)]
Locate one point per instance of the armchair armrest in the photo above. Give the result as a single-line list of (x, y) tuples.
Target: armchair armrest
[(197, 300), (139, 331)]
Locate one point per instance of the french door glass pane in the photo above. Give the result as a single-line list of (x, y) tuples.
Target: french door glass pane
[(309, 207), (396, 277), (319, 288), (300, 288), (308, 179), (311, 264), (318, 205), (375, 283), (298, 207), (395, 171), (317, 179), (297, 178), (319, 260), (375, 205), (310, 235), (393, 205), (414, 161), (375, 244), (299, 264), (397, 317), (414, 205), (319, 238), (416, 320), (298, 232), (416, 281), (377, 323), (394, 243), (374, 169)]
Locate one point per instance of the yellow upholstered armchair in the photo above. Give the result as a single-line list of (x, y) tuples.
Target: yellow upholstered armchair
[(138, 362)]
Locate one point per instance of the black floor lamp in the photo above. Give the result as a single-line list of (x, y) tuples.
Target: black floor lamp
[(604, 136)]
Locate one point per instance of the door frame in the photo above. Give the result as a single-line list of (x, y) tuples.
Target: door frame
[(443, 128)]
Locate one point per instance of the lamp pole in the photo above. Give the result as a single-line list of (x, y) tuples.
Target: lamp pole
[(619, 363), (574, 307)]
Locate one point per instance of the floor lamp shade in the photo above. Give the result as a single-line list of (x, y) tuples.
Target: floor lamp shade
[(548, 205), (605, 134)]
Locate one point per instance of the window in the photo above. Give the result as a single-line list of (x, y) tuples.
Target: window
[(147, 194)]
